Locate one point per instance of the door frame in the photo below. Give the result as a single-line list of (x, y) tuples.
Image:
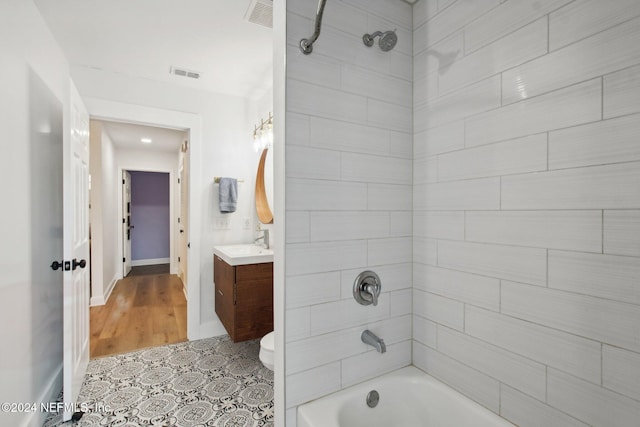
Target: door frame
[(126, 222), (183, 223), (173, 258), (118, 111)]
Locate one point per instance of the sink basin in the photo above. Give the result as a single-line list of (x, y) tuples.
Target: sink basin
[(243, 254)]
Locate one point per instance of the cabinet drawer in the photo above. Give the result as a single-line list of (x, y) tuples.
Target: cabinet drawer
[(254, 272)]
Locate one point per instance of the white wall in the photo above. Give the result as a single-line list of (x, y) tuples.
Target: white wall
[(30, 294), (526, 207), (104, 227), (226, 151), (348, 196)]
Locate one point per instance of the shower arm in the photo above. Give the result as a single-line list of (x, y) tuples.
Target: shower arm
[(368, 38), (306, 45)]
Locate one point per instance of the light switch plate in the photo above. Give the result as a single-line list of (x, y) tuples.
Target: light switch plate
[(222, 223)]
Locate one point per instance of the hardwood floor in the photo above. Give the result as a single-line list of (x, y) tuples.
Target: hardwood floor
[(142, 311), (144, 270)]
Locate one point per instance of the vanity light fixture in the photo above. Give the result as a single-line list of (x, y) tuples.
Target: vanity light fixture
[(145, 140), (263, 134)]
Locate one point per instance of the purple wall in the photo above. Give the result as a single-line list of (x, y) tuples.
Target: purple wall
[(149, 215)]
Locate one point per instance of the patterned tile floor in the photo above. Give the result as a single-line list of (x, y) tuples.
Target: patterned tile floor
[(210, 382)]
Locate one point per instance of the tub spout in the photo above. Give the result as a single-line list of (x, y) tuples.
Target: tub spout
[(372, 339)]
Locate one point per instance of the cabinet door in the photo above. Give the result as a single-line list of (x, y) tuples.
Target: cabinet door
[(224, 279), (254, 304)]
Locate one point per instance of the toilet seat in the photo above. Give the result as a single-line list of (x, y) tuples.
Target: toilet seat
[(266, 350)]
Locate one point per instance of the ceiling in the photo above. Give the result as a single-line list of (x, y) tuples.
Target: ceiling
[(145, 38), (127, 135)]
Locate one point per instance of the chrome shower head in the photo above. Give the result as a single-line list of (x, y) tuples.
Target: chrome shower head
[(387, 41)]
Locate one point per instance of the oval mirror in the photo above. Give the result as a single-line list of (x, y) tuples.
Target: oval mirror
[(262, 201)]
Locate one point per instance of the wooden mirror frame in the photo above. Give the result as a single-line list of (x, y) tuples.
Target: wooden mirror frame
[(262, 204)]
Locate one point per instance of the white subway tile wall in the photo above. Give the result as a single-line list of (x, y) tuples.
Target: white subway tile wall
[(498, 199), (526, 275), (349, 195)]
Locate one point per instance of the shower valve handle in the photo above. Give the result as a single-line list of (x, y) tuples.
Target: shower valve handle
[(366, 288)]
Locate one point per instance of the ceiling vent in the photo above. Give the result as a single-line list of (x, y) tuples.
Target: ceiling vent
[(260, 12), (184, 73)]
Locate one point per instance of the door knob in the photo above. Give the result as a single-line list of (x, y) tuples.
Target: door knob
[(75, 263), (61, 265)]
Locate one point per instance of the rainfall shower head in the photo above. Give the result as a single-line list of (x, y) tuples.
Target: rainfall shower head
[(387, 41)]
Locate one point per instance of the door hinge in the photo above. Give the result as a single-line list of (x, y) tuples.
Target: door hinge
[(235, 287), (124, 260), (178, 180), (123, 181), (178, 259), (123, 221), (178, 220)]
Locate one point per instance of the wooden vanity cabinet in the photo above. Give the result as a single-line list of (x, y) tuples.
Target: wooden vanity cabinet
[(244, 298)]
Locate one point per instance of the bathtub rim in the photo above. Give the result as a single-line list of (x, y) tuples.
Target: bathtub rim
[(320, 407)]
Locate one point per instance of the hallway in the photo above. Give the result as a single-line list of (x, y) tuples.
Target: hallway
[(143, 311)]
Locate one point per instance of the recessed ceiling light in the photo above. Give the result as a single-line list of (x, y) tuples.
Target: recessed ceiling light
[(146, 140)]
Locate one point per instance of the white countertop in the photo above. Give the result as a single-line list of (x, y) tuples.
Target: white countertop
[(243, 254)]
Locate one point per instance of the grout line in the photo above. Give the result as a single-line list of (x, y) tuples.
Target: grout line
[(602, 229), (601, 364), (548, 33), (500, 194), (464, 226), (502, 89), (464, 317), (546, 383), (547, 268), (602, 98), (500, 389), (548, 154)]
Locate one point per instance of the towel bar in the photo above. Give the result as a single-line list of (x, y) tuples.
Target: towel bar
[(217, 180)]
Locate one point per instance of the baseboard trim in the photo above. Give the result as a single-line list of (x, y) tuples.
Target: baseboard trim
[(50, 394), (212, 328), (112, 285), (102, 299), (152, 261)]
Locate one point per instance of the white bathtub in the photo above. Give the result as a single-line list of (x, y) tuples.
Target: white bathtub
[(408, 398)]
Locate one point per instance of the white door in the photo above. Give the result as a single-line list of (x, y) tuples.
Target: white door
[(183, 225), (76, 250), (126, 223)]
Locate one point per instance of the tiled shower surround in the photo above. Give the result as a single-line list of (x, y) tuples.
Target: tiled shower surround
[(490, 173), (348, 195)]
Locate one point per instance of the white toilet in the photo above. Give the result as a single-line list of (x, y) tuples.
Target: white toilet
[(266, 350)]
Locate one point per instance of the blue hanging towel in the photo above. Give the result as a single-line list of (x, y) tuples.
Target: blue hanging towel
[(228, 194)]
